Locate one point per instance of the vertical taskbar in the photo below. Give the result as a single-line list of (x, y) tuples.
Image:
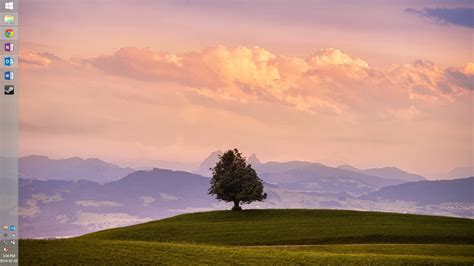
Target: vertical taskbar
[(9, 132)]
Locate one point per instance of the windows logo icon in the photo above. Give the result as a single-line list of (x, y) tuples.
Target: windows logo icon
[(9, 5)]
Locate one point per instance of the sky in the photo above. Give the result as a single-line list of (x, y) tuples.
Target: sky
[(366, 84)]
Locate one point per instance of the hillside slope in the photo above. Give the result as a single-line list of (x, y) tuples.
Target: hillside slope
[(296, 227), (272, 237), (109, 252)]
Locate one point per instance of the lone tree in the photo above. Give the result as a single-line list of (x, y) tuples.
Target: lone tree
[(233, 180)]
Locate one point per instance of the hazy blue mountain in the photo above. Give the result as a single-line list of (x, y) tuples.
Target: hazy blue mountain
[(208, 163), (50, 207), (304, 176), (434, 192), (63, 208), (386, 172), (42, 167), (212, 159), (253, 160), (308, 176), (349, 167), (162, 164), (460, 172), (176, 189), (281, 167)]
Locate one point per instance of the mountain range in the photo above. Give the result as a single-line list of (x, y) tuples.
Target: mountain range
[(308, 176), (386, 172), (318, 177), (59, 208), (93, 169), (74, 196), (431, 192), (460, 172)]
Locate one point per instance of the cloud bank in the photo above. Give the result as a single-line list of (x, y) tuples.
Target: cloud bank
[(329, 80)]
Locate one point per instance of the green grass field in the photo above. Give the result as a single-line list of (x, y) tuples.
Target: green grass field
[(268, 237)]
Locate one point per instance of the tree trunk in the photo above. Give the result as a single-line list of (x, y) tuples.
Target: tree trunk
[(236, 206)]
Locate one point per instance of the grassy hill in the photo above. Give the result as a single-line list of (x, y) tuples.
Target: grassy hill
[(270, 237), (296, 227)]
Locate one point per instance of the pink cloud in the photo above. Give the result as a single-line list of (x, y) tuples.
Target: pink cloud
[(33, 59), (329, 80)]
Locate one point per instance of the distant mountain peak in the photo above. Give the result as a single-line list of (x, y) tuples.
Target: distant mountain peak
[(94, 160), (215, 154), (209, 162), (38, 157), (253, 160), (74, 168), (212, 159), (390, 172), (393, 168), (460, 172), (394, 173), (348, 167)]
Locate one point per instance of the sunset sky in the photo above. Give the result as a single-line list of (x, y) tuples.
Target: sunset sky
[(377, 83)]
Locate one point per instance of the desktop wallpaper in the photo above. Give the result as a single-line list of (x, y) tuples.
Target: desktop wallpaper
[(337, 105)]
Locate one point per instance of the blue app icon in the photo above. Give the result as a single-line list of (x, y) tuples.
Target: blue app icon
[(9, 75), (8, 61), (12, 228)]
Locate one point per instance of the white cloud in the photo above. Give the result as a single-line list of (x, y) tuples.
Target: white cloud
[(93, 203), (167, 197), (147, 200)]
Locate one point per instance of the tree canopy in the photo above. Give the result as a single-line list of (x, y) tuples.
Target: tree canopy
[(233, 180)]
